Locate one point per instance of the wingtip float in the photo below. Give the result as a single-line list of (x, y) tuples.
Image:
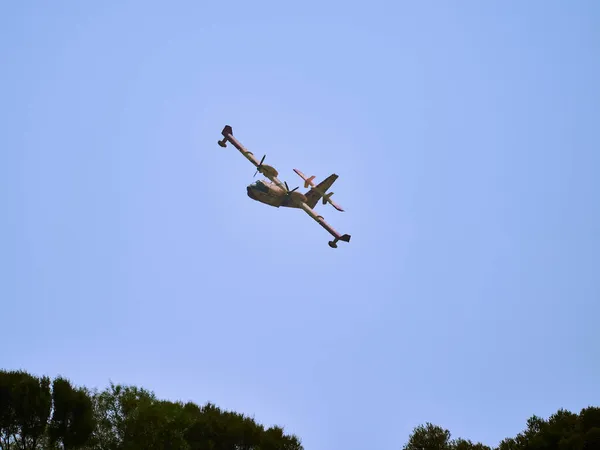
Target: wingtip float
[(276, 193)]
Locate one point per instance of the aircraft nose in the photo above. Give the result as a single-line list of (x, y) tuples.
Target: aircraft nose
[(251, 193)]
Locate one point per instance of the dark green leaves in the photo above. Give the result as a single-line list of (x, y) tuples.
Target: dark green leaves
[(564, 430), (25, 403), (37, 414), (72, 422), (428, 437), (130, 418)]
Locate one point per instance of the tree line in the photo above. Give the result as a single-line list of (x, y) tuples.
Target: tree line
[(563, 430), (37, 413)]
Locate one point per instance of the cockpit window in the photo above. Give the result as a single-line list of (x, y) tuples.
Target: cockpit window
[(259, 185)]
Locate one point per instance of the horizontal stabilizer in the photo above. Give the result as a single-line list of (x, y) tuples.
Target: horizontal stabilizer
[(319, 191), (308, 181)]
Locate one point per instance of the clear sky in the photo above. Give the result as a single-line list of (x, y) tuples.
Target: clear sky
[(467, 140)]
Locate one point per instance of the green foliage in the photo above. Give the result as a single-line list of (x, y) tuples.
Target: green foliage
[(115, 409), (72, 421), (434, 437), (33, 416), (36, 414), (25, 403), (8, 419), (464, 444), (429, 437), (563, 430)]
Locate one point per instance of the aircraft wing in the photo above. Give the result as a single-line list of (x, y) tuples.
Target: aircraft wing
[(319, 219), (268, 171), (319, 191)]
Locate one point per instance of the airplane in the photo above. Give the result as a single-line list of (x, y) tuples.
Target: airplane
[(276, 193)]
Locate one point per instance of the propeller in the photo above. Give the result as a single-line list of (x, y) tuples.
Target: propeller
[(288, 188), (260, 165)]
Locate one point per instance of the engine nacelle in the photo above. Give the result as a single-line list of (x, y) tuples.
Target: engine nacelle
[(298, 197), (268, 171)]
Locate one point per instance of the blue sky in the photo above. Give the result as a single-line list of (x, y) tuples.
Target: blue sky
[(466, 137)]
